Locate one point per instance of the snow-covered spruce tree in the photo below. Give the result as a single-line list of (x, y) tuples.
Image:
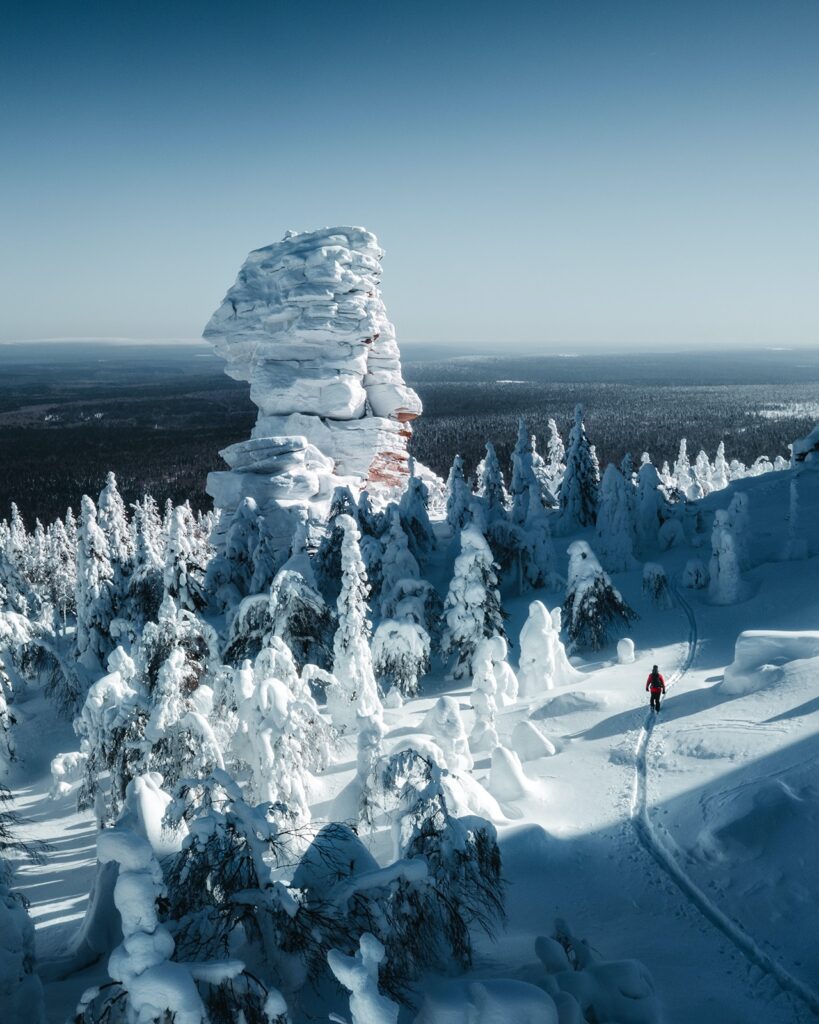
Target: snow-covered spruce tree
[(593, 606), (656, 586), (458, 496), (229, 574), (615, 525), (702, 472), (146, 585), (796, 546), (695, 574), (94, 589), (536, 551), (357, 692), (555, 457), (294, 612), (579, 487), (21, 993), (445, 722), (740, 520), (413, 510), (495, 650), (543, 660), (114, 523), (491, 487), (719, 472), (652, 507), (726, 585), (418, 601), (181, 575), (528, 477), (472, 609), (327, 559), (62, 556), (485, 705), (397, 561)]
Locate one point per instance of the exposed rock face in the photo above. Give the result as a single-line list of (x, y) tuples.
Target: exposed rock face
[(305, 325)]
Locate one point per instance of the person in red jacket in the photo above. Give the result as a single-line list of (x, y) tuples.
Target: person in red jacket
[(656, 684)]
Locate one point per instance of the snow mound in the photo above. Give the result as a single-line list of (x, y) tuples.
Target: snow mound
[(569, 703), (625, 651), (529, 743), (760, 654), (507, 779), (496, 1001)]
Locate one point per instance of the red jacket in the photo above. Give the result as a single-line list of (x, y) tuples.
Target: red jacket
[(659, 686)]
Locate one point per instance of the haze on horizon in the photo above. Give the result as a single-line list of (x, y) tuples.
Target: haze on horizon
[(547, 176)]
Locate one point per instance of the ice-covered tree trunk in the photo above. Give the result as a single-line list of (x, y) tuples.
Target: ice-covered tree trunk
[(352, 660), (581, 481), (472, 609)]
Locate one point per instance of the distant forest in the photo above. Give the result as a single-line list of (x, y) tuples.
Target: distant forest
[(159, 417)]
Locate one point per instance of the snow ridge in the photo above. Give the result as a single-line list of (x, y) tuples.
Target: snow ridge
[(663, 849)]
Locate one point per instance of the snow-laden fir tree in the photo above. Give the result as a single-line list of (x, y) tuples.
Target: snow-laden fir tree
[(357, 693), (413, 511), (740, 519), (180, 576), (229, 574), (62, 555), (579, 487), (397, 560), (401, 655), (726, 585), (472, 609), (327, 559), (593, 606), (652, 507), (113, 520), (536, 551), (555, 457), (94, 589), (615, 525), (458, 496), (720, 475), (146, 585), (491, 487)]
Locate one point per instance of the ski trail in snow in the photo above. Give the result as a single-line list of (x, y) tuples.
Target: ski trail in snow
[(662, 849)]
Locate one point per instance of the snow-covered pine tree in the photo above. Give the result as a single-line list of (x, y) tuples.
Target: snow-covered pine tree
[(401, 651), (615, 525), (352, 660), (726, 585), (146, 585), (720, 475), (579, 488), (62, 555), (458, 496), (113, 521), (537, 554), (472, 609), (94, 589), (652, 507), (491, 487), (593, 606), (397, 561)]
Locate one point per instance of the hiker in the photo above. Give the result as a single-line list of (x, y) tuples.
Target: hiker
[(656, 684)]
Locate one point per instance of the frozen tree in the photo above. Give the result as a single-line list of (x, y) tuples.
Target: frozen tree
[(397, 561), (683, 477), (352, 660), (695, 574), (229, 574), (543, 660), (472, 609), (525, 486), (445, 723), (796, 547), (458, 496), (579, 487), (146, 586), (327, 559), (615, 525), (555, 456), (702, 472), (62, 555), (652, 506), (181, 572), (401, 651), (535, 549), (94, 589), (359, 975), (491, 487), (656, 586), (720, 473), (414, 515), (485, 704), (593, 606), (740, 522), (495, 650), (726, 585), (113, 521)]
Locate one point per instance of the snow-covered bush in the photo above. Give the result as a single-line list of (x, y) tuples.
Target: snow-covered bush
[(472, 609), (359, 975), (400, 652), (695, 574), (444, 722), (656, 586), (593, 606)]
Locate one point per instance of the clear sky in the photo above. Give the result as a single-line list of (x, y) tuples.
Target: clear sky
[(544, 175)]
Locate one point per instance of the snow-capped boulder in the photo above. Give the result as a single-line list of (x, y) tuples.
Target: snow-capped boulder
[(305, 325)]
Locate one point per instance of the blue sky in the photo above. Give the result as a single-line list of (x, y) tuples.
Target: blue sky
[(551, 176)]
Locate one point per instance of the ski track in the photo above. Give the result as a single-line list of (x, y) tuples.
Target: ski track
[(662, 849)]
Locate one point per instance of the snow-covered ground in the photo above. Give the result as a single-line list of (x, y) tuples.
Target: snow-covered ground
[(687, 843)]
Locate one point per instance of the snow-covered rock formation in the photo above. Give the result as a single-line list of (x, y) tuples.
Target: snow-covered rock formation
[(305, 326)]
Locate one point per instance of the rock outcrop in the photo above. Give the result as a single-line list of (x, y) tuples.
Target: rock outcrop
[(305, 326)]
